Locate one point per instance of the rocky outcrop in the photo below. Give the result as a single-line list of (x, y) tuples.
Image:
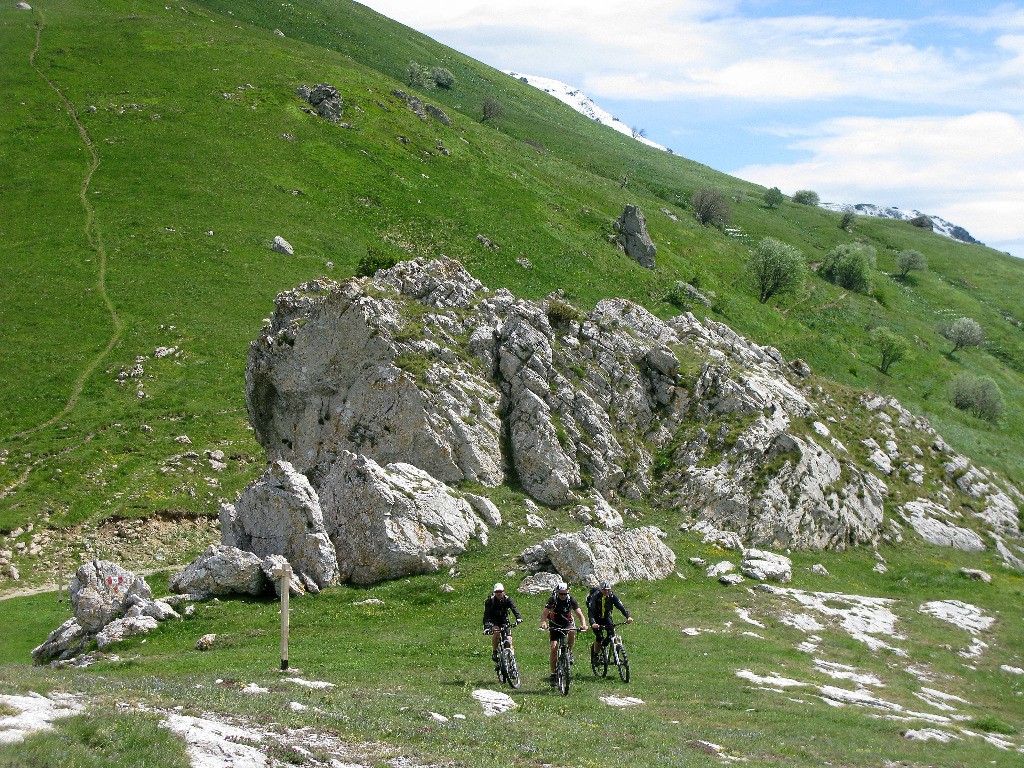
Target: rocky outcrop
[(325, 99), (632, 237), (110, 604), (393, 521), (101, 591), (422, 377), (592, 556), (280, 514), (221, 570), (924, 515)]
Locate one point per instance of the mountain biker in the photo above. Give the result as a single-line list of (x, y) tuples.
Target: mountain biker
[(496, 610), (600, 603), (559, 609)]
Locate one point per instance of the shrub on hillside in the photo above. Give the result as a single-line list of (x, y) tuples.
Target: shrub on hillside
[(806, 197), (846, 220), (710, 207), (773, 197), (775, 267), (373, 260), (849, 266), (890, 345), (491, 108), (418, 76), (978, 395), (442, 78), (964, 332), (909, 260)]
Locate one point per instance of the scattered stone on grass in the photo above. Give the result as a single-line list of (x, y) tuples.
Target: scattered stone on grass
[(494, 702)]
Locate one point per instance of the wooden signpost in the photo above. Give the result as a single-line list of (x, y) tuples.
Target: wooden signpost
[(286, 582)]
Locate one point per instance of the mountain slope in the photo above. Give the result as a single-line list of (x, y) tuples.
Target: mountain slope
[(198, 130)]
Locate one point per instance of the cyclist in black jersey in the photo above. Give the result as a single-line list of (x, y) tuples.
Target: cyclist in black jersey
[(600, 603), (496, 610), (558, 611)]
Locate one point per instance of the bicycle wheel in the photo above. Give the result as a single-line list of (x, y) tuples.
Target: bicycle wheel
[(511, 668), (562, 671), (622, 661), (599, 662)]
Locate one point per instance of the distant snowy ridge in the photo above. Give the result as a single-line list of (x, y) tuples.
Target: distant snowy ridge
[(582, 103), (939, 225)]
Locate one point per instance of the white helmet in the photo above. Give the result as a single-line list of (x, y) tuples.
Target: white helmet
[(499, 587), (562, 587)]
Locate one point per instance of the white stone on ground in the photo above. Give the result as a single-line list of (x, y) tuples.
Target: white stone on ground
[(846, 672), (494, 702), (252, 688), (744, 614), (35, 713), (959, 614), (1012, 670), (314, 684), (773, 680), (216, 745), (930, 734), (621, 701)]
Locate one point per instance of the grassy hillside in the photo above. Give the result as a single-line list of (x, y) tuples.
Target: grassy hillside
[(150, 154)]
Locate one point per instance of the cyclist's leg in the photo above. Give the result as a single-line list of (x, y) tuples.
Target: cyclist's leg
[(553, 655), (495, 637)]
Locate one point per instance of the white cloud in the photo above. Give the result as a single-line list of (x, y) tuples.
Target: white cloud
[(968, 169)]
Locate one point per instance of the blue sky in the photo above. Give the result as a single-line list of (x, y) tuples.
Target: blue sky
[(915, 104)]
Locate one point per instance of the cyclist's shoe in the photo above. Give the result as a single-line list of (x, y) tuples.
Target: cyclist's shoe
[(494, 656), (593, 657), (571, 659), (554, 679)]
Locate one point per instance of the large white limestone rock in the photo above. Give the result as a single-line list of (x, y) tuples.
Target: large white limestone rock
[(101, 590), (591, 556), (221, 570)]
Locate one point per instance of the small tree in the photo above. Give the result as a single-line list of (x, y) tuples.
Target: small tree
[(977, 395), (965, 332), (846, 220), (775, 268), (442, 78), (492, 109), (806, 197), (419, 76), (710, 207), (773, 197), (910, 259), (638, 133), (849, 265), (892, 346)]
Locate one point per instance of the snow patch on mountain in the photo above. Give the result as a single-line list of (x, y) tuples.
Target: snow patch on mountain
[(583, 104), (939, 225)]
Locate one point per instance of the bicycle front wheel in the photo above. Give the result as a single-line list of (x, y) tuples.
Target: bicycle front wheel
[(622, 661), (562, 673), (510, 667), (599, 662)]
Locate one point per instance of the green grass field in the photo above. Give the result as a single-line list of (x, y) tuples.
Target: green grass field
[(150, 154)]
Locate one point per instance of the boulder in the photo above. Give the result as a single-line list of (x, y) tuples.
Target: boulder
[(633, 238), (272, 566), (539, 583), (392, 521), (922, 514), (101, 591), (486, 509), (730, 579), (976, 575), (280, 245), (280, 514), (719, 569), (206, 642), (325, 99), (66, 641), (766, 566), (592, 556), (222, 570), (122, 629)]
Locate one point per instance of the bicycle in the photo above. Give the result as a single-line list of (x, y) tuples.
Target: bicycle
[(600, 661), (563, 659), (505, 666)]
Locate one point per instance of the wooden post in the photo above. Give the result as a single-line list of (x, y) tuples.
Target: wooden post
[(286, 582)]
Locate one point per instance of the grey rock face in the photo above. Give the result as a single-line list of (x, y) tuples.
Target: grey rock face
[(101, 591), (393, 521), (67, 640), (280, 245), (325, 99), (280, 514), (766, 566), (633, 237), (924, 517), (422, 365), (592, 556), (121, 629), (221, 570)]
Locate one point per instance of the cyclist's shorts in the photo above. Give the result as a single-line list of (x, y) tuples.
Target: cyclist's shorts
[(554, 633)]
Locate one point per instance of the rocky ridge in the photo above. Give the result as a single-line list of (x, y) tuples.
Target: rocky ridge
[(395, 388)]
